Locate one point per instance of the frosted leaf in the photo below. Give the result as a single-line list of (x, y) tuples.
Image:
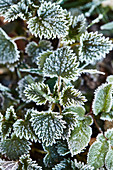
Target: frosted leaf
[(62, 147), (82, 166), (107, 116), (18, 10), (8, 49), (23, 128), (109, 136), (24, 82), (4, 88), (33, 49), (10, 146), (8, 165), (25, 162), (37, 92), (77, 27), (110, 79), (71, 96), (50, 22), (80, 136), (48, 126), (109, 160), (7, 122), (97, 153), (61, 62), (93, 47), (5, 5), (65, 164), (103, 99)]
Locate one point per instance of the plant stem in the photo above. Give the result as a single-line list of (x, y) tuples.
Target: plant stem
[(39, 151), (60, 109), (19, 38)]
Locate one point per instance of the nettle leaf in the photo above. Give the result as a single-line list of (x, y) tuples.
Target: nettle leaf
[(110, 79), (8, 165), (109, 160), (14, 147), (61, 62), (8, 49), (48, 126), (33, 49), (24, 82), (23, 128), (93, 47), (4, 88), (64, 164), (50, 22), (26, 163), (71, 96), (80, 136), (107, 116), (5, 5), (38, 93), (103, 99), (82, 166), (109, 136), (97, 152), (52, 157), (62, 147), (7, 121)]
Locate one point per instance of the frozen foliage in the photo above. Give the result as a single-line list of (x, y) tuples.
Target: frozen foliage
[(8, 49), (37, 92), (103, 99), (61, 62), (8, 165), (49, 22), (71, 96), (14, 147), (93, 47), (80, 136), (26, 163), (44, 117), (48, 126), (23, 128)]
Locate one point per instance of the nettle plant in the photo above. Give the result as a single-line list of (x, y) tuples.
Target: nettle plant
[(45, 116)]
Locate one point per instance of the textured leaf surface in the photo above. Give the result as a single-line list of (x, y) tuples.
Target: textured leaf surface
[(50, 22), (14, 147), (93, 47), (61, 62), (26, 163), (24, 82), (71, 96), (109, 136), (109, 160), (103, 99), (107, 116), (48, 126), (37, 92), (8, 49), (65, 164), (8, 165), (5, 5), (97, 152), (80, 136), (23, 128)]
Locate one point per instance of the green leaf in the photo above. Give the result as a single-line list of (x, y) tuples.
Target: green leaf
[(61, 62), (8, 165), (45, 24), (24, 82), (38, 93), (71, 96), (93, 47), (15, 147), (8, 49), (48, 126), (5, 5), (65, 164), (4, 88), (109, 136), (80, 136), (108, 26), (26, 163), (110, 79), (107, 116), (52, 157), (62, 147), (23, 128), (109, 160), (103, 99), (7, 122), (97, 152), (33, 49)]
